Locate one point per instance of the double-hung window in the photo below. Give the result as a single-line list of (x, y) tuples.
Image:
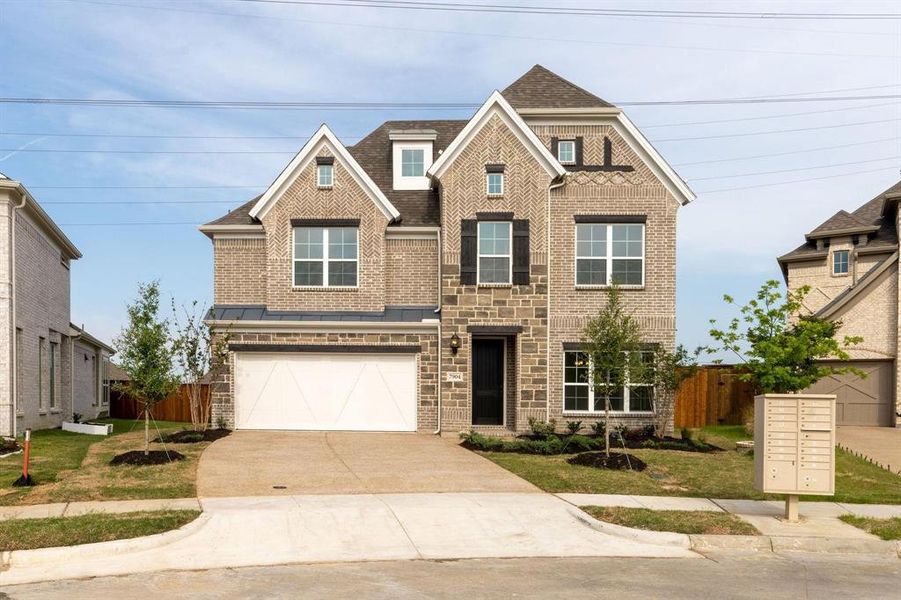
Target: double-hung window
[(495, 264), (579, 395), (495, 184), (566, 151), (42, 350), (841, 260), (325, 175), (608, 254), (54, 355), (326, 256)]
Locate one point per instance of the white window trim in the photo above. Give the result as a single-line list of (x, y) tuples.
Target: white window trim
[(319, 183), (847, 263), (609, 258), (324, 260), (488, 186), (411, 182), (42, 341), (479, 255), (571, 143), (591, 411), (52, 368)]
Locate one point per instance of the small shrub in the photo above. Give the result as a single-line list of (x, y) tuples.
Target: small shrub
[(651, 444), (599, 428), (650, 431), (76, 417), (747, 418), (687, 434), (573, 427), (221, 423), (542, 429)]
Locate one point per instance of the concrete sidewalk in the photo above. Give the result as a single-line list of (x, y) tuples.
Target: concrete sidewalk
[(74, 509), (818, 519), (257, 531)]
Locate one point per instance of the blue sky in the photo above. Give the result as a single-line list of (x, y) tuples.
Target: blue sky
[(227, 50)]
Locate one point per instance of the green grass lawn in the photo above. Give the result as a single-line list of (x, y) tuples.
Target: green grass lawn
[(677, 521), (714, 475), (887, 529), (72, 466), (25, 534)]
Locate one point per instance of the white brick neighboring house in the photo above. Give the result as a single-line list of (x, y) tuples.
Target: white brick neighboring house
[(40, 379), (851, 264)]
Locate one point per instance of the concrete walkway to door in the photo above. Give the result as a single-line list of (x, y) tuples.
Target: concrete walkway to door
[(269, 463), (879, 444)]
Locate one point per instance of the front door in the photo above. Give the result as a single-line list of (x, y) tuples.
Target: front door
[(487, 382)]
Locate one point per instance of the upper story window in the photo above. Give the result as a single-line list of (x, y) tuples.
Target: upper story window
[(495, 264), (326, 256), (608, 254), (566, 151), (325, 176), (412, 157), (412, 162), (495, 184), (580, 395), (841, 261)]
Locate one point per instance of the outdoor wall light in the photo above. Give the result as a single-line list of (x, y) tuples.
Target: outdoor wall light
[(454, 343)]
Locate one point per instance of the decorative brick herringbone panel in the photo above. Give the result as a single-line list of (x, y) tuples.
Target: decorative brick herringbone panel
[(239, 271), (303, 199), (411, 272)]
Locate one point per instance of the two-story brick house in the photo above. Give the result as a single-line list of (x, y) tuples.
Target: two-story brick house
[(850, 263), (49, 368), (437, 275)]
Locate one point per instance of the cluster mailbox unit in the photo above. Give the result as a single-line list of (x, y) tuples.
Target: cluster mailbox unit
[(794, 453)]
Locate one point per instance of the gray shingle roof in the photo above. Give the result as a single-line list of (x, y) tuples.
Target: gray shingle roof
[(840, 221), (541, 88), (391, 314), (868, 215), (238, 216)]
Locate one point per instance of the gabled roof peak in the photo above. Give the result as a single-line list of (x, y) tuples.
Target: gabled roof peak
[(542, 88)]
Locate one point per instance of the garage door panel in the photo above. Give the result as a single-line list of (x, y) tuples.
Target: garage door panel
[(353, 392), (861, 400)]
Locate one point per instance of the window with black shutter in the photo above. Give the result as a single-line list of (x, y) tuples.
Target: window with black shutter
[(468, 251), (520, 252)]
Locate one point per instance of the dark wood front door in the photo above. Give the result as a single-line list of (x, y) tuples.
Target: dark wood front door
[(487, 382)]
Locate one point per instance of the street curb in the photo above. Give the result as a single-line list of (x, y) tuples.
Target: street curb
[(34, 558), (657, 538), (835, 546), (706, 543)]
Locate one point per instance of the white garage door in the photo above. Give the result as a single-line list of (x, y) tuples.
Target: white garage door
[(344, 392)]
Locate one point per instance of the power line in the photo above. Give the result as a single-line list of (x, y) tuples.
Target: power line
[(774, 131), (137, 187), (790, 152), (777, 183), (128, 223), (139, 202), (322, 105), (575, 11), (794, 169)]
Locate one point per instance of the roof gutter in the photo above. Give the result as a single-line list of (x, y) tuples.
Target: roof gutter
[(234, 326)]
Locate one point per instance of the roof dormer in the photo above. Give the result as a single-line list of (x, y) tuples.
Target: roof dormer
[(411, 157)]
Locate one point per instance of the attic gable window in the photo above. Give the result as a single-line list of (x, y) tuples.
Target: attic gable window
[(411, 157), (412, 162), (841, 260), (566, 151), (325, 171)]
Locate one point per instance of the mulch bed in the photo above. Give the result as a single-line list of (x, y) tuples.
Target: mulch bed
[(8, 446), (189, 436), (616, 461), (155, 457)]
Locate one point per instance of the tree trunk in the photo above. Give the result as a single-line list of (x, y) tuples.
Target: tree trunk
[(146, 429), (607, 424)]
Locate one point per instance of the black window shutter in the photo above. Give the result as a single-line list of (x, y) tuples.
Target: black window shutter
[(578, 156), (554, 143), (468, 257), (520, 252)]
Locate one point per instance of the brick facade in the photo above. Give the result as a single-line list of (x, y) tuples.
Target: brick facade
[(239, 267), (411, 274)]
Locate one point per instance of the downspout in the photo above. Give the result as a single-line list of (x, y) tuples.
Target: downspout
[(547, 349), (72, 371), (12, 300), (438, 312)]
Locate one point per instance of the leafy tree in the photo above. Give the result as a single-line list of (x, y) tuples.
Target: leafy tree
[(778, 345), (667, 372), (200, 356), (612, 340), (145, 354)]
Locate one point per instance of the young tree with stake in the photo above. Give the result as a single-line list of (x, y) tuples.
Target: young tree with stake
[(145, 354)]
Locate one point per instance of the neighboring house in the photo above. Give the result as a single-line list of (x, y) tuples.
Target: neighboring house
[(437, 275), (91, 391), (41, 379), (850, 262)]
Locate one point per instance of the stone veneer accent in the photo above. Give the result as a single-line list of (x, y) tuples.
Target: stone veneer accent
[(427, 412)]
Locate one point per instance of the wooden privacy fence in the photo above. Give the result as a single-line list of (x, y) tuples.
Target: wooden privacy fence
[(714, 395), (176, 407)]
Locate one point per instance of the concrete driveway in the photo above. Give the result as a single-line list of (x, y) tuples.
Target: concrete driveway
[(880, 444), (269, 463)]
